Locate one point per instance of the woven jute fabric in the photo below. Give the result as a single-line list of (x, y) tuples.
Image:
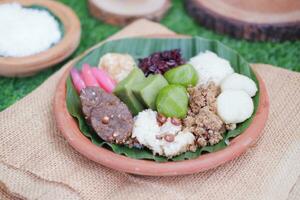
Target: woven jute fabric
[(36, 162)]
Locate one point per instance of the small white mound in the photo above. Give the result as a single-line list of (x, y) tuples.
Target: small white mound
[(211, 67), (147, 131), (237, 81), (26, 31), (234, 106)]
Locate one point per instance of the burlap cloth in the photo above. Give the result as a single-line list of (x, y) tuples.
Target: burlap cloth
[(36, 162)]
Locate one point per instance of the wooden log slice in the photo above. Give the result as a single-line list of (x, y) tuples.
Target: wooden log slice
[(274, 20), (122, 12)]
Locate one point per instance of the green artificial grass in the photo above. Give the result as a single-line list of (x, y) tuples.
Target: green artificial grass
[(284, 54)]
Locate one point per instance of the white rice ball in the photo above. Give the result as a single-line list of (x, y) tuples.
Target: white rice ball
[(237, 81), (211, 67), (146, 130), (234, 106)]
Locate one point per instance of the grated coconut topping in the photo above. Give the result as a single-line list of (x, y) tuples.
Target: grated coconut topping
[(26, 31)]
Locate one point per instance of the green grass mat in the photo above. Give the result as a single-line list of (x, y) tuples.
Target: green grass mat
[(285, 54)]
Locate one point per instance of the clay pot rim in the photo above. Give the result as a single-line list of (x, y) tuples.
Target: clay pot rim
[(28, 65), (69, 128)]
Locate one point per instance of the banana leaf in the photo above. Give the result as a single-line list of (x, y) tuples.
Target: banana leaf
[(143, 47)]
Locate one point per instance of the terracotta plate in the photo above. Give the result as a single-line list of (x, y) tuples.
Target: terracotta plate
[(24, 66), (69, 128)]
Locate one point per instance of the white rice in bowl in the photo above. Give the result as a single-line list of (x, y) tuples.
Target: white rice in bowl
[(26, 31)]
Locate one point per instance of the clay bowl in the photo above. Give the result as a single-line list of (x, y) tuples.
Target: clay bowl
[(69, 128), (28, 65)]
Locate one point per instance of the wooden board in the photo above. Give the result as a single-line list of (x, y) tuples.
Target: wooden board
[(28, 65), (274, 20), (122, 12)]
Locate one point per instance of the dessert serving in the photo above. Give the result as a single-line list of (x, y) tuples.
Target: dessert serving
[(174, 100)]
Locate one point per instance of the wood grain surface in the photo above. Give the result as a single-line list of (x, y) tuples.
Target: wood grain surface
[(274, 20)]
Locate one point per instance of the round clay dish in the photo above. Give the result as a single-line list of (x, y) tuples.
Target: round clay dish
[(28, 65), (69, 128)]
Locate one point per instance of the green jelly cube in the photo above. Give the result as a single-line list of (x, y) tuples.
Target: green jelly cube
[(147, 90), (185, 75), (172, 101), (124, 90)]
